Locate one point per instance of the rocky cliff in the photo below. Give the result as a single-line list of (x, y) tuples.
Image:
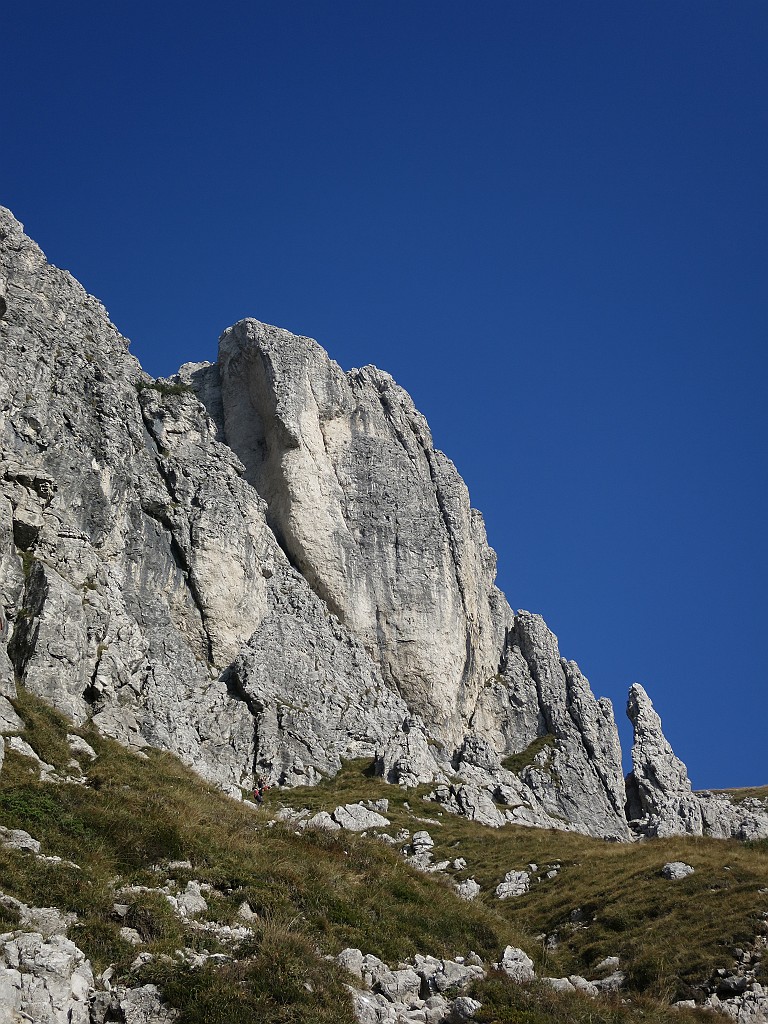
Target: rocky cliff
[(264, 565)]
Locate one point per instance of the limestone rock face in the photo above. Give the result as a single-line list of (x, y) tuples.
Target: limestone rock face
[(136, 561), (657, 775), (264, 566), (315, 694), (44, 979), (377, 521), (108, 618), (580, 779)]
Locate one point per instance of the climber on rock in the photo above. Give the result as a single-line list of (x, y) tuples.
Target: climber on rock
[(260, 789)]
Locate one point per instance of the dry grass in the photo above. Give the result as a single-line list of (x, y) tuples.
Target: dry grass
[(744, 793), (503, 1002), (316, 892), (669, 936)]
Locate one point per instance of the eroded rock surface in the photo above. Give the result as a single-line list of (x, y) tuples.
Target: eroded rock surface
[(44, 979), (377, 521), (136, 561), (264, 566)]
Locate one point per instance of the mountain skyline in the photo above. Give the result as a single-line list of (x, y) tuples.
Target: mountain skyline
[(558, 254)]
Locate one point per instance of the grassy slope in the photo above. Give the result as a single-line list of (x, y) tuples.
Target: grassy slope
[(316, 893), (744, 793), (670, 936)]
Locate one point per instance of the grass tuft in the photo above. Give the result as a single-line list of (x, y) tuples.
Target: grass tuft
[(516, 762), (506, 1002)]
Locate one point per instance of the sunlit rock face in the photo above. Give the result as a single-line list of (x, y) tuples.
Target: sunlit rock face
[(264, 566), (376, 520), (380, 525), (136, 561)]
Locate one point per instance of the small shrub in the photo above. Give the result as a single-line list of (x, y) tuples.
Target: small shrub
[(31, 805), (164, 387)]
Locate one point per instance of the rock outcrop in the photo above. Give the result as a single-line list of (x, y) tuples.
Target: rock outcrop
[(264, 566), (45, 979), (660, 800), (136, 561), (376, 520)]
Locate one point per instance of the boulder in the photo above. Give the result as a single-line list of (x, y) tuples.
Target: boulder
[(18, 839), (322, 820), (80, 746), (582, 985), (469, 889), (402, 986), (358, 818), (612, 983), (191, 901), (516, 964), (422, 842), (452, 975), (560, 984), (351, 959), (676, 869), (464, 1008)]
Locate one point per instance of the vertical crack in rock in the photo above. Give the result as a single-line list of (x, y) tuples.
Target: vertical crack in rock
[(161, 516)]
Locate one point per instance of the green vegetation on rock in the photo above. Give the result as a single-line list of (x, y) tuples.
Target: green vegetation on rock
[(516, 762), (164, 388)]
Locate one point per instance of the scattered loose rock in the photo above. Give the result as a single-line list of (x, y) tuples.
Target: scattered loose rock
[(516, 883), (44, 978), (80, 746), (358, 818), (18, 839), (517, 964), (322, 820)]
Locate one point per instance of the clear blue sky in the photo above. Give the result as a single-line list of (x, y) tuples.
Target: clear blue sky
[(547, 220)]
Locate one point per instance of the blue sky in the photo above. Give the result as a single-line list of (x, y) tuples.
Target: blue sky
[(547, 220)]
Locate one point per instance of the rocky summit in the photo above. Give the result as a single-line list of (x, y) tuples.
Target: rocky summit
[(264, 566)]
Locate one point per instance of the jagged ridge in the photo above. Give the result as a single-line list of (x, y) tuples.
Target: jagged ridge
[(263, 565)]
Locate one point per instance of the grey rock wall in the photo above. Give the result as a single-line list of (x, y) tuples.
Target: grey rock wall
[(377, 521), (380, 525), (136, 561), (263, 565)]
